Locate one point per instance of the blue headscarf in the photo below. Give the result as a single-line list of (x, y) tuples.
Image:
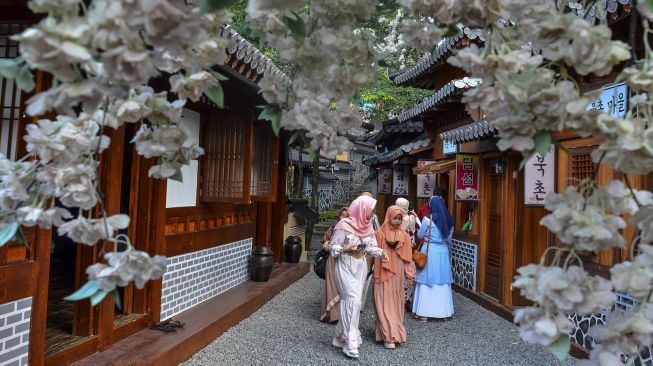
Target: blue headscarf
[(440, 216)]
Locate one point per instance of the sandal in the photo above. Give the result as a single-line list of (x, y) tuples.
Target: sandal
[(168, 326)]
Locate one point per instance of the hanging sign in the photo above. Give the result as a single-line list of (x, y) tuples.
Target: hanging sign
[(384, 181), (449, 147), (467, 177), (539, 177), (400, 181), (613, 100), (425, 185)]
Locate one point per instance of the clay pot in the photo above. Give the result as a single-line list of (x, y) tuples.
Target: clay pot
[(260, 264), (292, 250)]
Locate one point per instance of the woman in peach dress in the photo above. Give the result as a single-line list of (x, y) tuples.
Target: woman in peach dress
[(389, 300)]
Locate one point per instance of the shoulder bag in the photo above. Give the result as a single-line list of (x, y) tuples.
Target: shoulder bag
[(320, 262), (420, 258)]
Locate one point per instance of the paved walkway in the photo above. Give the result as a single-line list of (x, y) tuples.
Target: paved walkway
[(286, 332)]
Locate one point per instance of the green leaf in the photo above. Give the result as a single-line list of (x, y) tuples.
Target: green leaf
[(649, 4), (543, 140), (7, 232), (525, 160), (216, 94), (20, 237), (218, 76), (116, 298), (97, 297), (211, 6), (25, 79), (11, 69), (273, 114), (177, 177), (294, 137), (560, 348), (88, 290), (452, 31), (289, 14), (296, 26)]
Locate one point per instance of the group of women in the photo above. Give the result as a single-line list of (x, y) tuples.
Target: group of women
[(354, 239)]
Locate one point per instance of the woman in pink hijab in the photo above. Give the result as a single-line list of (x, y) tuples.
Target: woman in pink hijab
[(353, 238)]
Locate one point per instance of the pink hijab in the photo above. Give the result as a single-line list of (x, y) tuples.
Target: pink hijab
[(357, 222)]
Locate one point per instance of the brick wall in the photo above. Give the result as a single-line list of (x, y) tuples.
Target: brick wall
[(14, 331), (195, 277)]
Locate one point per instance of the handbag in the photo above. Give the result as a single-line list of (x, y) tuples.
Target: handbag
[(420, 258), (320, 263)]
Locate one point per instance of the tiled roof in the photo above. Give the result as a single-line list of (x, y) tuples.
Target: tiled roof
[(615, 9), (449, 89), (307, 160), (249, 61), (442, 51), (404, 127), (470, 132), (419, 143)]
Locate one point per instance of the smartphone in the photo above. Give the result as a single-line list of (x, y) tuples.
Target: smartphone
[(361, 247)]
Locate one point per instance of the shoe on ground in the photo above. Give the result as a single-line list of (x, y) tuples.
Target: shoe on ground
[(350, 353), (422, 319), (337, 343), (389, 345)]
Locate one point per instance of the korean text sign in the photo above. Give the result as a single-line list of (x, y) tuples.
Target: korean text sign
[(384, 181), (539, 178), (613, 100), (467, 177), (400, 180)]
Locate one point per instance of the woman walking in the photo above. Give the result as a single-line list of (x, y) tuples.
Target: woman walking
[(353, 238), (433, 297), (330, 311), (389, 278), (410, 224)]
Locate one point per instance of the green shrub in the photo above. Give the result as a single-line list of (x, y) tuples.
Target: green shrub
[(328, 215)]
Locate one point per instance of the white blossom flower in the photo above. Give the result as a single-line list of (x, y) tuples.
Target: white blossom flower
[(193, 86), (537, 326), (90, 231), (125, 267)]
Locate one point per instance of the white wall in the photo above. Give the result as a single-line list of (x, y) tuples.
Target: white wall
[(185, 193)]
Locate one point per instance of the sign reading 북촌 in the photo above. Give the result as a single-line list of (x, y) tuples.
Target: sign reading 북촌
[(539, 177)]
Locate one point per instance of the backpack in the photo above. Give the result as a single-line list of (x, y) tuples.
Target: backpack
[(320, 263)]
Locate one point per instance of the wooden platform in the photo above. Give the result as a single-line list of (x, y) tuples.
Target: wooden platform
[(204, 323)]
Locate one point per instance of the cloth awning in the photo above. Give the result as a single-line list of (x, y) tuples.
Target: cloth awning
[(471, 132), (437, 167)]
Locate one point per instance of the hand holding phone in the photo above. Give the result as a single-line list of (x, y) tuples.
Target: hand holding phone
[(361, 247)]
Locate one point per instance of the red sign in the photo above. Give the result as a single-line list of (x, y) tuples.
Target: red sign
[(467, 177)]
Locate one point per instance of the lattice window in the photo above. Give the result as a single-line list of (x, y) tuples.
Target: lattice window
[(225, 164), (264, 160), (581, 165), (10, 95)]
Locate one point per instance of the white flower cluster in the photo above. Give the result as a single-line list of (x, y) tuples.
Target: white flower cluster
[(335, 60), (126, 266)]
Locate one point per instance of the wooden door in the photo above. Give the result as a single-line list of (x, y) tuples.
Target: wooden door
[(494, 239)]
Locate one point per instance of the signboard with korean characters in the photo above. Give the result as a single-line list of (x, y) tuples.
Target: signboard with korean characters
[(467, 177), (613, 100), (425, 181), (400, 180), (539, 177), (384, 181)]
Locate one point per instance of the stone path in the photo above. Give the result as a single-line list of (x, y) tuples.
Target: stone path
[(286, 332)]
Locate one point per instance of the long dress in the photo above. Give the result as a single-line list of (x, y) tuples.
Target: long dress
[(389, 302), (433, 298), (330, 311), (350, 273)]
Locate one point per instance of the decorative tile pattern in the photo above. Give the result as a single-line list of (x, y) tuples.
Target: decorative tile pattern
[(14, 331), (192, 278), (464, 259), (582, 324), (324, 194)]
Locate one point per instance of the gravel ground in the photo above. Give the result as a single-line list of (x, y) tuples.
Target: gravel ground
[(286, 331)]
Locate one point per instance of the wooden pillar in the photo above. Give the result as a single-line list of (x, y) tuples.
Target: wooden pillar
[(280, 206), (38, 319), (263, 224)]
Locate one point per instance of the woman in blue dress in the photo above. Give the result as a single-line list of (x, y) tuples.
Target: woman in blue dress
[(433, 297)]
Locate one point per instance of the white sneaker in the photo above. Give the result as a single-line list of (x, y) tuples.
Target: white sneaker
[(389, 345), (350, 353), (337, 343)]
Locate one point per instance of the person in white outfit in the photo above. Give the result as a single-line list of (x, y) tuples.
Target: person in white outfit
[(353, 238)]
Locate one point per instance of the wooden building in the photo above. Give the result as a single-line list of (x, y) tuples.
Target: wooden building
[(505, 211), (206, 226)]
